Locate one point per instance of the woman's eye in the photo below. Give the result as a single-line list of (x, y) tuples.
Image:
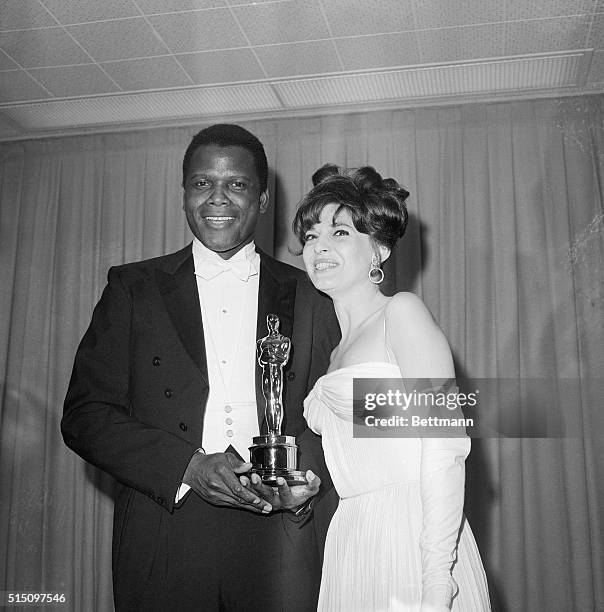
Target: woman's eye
[(341, 232), (308, 237)]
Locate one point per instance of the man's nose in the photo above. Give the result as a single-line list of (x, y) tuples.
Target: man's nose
[(218, 197)]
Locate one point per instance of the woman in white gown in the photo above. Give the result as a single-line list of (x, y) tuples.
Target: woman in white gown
[(398, 540)]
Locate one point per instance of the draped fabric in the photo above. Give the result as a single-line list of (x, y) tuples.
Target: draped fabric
[(505, 245)]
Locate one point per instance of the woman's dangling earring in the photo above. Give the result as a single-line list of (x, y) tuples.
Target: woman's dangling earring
[(376, 274)]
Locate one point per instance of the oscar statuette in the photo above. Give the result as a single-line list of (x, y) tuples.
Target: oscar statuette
[(274, 455)]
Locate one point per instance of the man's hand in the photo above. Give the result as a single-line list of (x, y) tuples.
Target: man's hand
[(283, 497), (214, 478)]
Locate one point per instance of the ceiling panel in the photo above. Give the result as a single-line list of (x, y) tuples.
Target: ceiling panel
[(149, 7), (367, 52), (65, 81), (280, 22), (20, 14), (6, 63), (48, 47), (114, 40), (430, 82), (463, 43), (317, 57), (199, 31), (439, 14), (355, 17), (545, 35), (153, 60), (596, 34), (17, 85), (242, 2), (81, 11), (521, 9), (134, 108), (230, 65), (147, 73)]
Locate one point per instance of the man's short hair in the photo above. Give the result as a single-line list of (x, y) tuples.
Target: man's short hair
[(228, 135)]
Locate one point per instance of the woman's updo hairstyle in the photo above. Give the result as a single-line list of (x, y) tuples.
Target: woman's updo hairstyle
[(376, 205)]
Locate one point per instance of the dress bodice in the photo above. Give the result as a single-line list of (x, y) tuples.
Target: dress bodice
[(358, 465)]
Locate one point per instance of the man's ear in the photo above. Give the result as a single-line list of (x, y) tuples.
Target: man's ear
[(263, 202)]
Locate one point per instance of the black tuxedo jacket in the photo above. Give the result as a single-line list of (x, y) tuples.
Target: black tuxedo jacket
[(136, 398)]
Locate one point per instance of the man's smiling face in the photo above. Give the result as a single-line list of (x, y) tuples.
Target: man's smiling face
[(222, 198)]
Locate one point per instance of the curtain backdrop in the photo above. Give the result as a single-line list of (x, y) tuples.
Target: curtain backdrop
[(505, 246)]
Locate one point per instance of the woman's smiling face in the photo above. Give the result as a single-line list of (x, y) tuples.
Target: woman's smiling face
[(336, 255)]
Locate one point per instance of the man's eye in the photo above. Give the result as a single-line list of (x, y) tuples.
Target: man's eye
[(238, 185), (201, 183), (309, 237)]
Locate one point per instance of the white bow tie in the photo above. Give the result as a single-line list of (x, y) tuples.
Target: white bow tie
[(241, 268)]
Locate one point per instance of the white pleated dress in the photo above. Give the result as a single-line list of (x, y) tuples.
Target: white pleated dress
[(399, 527)]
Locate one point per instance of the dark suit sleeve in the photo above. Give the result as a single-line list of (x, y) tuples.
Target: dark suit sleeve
[(97, 420)]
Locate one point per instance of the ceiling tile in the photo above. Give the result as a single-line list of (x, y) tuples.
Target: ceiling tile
[(596, 34), (356, 17), (596, 70), (228, 65), (293, 59), (174, 6), (48, 47), (68, 81), (521, 9), (21, 14), (242, 2), (366, 52), (439, 14), (81, 11), (464, 43), (114, 40), (6, 63), (199, 30), (17, 86), (147, 73), (280, 22), (545, 35)]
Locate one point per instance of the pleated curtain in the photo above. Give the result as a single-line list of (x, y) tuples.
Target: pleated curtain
[(505, 245)]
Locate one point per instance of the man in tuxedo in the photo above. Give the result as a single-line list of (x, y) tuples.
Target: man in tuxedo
[(166, 396)]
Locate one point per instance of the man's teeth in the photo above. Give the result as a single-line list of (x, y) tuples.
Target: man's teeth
[(220, 218), (323, 265)]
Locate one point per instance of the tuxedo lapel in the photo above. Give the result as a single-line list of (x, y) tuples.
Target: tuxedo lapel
[(276, 295), (178, 288)]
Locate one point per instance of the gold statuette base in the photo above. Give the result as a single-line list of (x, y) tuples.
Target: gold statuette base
[(276, 456)]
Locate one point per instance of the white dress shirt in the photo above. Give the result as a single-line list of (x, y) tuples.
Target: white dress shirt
[(229, 309)]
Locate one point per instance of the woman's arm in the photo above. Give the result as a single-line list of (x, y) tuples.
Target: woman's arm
[(422, 352)]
